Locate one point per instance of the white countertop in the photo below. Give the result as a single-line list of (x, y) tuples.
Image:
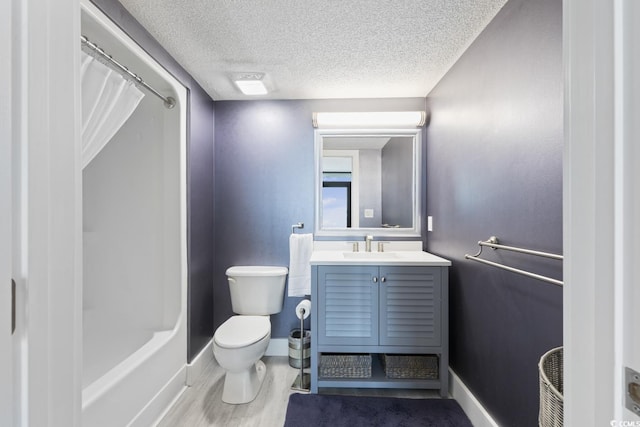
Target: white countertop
[(395, 253)]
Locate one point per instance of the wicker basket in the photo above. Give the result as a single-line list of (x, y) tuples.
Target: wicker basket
[(345, 365), (551, 388), (410, 366)]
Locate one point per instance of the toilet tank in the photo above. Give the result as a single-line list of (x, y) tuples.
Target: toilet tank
[(256, 290)]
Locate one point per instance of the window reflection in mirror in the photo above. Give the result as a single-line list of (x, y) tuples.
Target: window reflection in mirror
[(367, 182), (336, 204)]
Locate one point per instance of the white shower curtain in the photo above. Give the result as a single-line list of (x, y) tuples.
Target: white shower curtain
[(108, 100)]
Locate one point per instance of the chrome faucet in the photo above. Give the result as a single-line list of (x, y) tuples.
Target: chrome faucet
[(367, 242)]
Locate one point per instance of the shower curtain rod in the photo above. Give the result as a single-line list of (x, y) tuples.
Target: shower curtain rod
[(169, 102)]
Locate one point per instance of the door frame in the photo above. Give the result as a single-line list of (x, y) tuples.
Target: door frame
[(6, 120), (47, 227), (596, 221)]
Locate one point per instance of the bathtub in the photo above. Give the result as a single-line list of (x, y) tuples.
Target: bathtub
[(139, 389), (134, 250)]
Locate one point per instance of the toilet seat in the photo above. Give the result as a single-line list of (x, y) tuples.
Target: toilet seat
[(242, 331)]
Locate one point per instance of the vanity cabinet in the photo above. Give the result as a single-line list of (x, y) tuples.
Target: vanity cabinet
[(380, 309)]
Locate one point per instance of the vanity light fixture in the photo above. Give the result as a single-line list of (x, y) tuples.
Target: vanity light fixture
[(377, 119), (251, 84)]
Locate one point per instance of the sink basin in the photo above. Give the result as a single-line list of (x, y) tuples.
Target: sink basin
[(370, 255)]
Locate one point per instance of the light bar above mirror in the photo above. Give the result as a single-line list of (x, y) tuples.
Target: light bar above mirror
[(369, 120)]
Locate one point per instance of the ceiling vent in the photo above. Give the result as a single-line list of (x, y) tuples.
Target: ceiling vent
[(250, 83)]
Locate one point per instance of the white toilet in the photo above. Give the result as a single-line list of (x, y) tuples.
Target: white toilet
[(240, 342)]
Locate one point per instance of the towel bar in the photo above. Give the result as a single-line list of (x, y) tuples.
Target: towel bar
[(492, 242)]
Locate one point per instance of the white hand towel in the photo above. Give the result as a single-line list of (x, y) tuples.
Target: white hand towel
[(300, 248)]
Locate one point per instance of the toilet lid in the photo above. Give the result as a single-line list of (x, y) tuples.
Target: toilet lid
[(241, 331)]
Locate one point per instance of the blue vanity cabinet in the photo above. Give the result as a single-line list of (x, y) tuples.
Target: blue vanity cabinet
[(385, 309), (347, 305), (410, 306)]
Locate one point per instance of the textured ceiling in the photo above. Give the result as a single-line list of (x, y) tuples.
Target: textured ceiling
[(314, 49)]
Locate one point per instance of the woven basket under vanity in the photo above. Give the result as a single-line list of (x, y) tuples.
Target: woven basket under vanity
[(345, 365), (410, 366)]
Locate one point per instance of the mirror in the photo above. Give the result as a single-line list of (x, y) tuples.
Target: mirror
[(367, 182)]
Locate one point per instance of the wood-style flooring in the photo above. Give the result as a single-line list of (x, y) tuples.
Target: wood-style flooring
[(201, 404)]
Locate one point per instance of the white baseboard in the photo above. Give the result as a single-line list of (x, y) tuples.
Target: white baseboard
[(278, 347), (472, 407), (197, 365)]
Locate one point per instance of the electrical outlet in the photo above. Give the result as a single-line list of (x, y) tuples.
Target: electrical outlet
[(429, 223)]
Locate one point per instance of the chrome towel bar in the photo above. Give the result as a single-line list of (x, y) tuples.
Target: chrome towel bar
[(298, 225), (493, 243)]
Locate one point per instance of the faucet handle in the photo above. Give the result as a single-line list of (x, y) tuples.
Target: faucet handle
[(355, 246), (381, 246)]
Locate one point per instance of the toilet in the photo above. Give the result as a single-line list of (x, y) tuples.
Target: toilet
[(241, 341)]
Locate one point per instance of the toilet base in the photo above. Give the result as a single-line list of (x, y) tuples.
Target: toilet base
[(243, 387)]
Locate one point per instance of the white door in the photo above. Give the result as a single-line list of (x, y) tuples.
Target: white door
[(6, 348), (629, 92), (40, 214)]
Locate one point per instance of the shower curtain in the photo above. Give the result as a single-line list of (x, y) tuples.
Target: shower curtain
[(108, 100)]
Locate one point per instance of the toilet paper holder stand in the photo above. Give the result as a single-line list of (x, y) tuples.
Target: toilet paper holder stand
[(303, 380)]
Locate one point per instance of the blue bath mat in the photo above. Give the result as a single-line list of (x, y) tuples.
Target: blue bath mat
[(316, 410)]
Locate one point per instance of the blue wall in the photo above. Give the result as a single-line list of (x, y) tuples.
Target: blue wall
[(264, 178), (494, 167), (199, 181)]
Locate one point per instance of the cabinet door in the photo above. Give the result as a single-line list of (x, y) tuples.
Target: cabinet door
[(347, 305), (410, 306)]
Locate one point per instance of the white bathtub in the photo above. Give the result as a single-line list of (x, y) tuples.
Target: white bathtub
[(140, 388), (134, 250)]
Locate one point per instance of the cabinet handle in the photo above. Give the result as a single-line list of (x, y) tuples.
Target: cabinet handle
[(375, 279), (383, 279)]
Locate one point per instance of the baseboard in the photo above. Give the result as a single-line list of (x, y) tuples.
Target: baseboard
[(472, 407), (278, 347), (197, 365), (153, 413)]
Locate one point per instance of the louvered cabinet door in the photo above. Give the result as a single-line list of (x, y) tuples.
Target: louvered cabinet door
[(348, 305), (410, 306)]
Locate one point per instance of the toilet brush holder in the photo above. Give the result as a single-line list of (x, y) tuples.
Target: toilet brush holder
[(302, 381)]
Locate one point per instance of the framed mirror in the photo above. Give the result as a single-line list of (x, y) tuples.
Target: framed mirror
[(368, 182)]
